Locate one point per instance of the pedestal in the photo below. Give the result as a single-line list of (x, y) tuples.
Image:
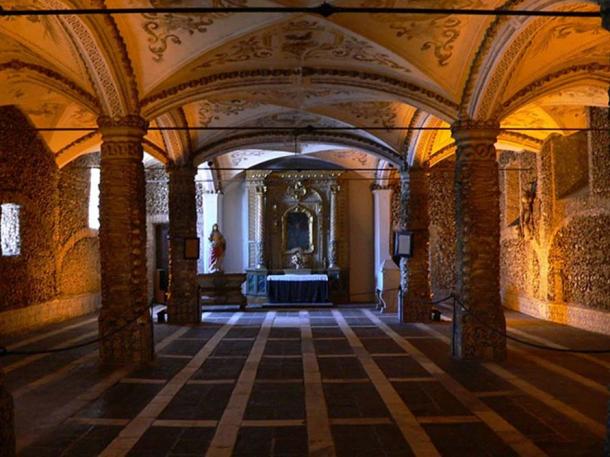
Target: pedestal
[(221, 289), (388, 283)]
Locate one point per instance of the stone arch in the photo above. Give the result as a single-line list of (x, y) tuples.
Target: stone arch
[(285, 139), (177, 142), (227, 82), (109, 71), (500, 48), (54, 81)]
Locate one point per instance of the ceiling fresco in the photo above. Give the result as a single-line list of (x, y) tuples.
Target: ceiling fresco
[(295, 70)]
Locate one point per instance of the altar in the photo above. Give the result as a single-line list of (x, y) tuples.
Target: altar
[(297, 233), (297, 288)]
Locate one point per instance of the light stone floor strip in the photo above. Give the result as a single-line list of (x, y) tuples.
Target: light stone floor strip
[(540, 340), (42, 336), (414, 434), (91, 394), (228, 428), (130, 435), (595, 427), (33, 358), (507, 433), (320, 440)]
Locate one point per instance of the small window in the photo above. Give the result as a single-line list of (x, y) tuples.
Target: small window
[(94, 199), (10, 231)]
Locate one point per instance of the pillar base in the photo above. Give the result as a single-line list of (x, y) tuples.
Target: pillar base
[(133, 345), (477, 342)]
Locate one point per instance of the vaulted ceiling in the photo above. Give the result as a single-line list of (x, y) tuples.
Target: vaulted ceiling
[(297, 70)]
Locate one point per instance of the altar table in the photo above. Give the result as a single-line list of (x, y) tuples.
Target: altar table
[(293, 288)]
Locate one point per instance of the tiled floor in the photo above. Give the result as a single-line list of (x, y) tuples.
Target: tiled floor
[(342, 381)]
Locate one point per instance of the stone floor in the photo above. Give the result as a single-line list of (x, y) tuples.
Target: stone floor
[(339, 381)]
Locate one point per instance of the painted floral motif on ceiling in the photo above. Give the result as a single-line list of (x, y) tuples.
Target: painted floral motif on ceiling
[(375, 113), (45, 21), (442, 31), (238, 157), (297, 119), (298, 96), (165, 29), (359, 157), (303, 40), (213, 110)]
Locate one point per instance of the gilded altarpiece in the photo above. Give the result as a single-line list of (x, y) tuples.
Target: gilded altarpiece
[(290, 211)]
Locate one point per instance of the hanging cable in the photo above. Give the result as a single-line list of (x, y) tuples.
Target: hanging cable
[(324, 10)]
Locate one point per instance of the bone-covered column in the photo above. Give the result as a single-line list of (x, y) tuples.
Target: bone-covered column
[(414, 270), (478, 336), (183, 304), (124, 321)]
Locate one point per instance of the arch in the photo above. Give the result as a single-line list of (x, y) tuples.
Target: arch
[(72, 241), (54, 81), (177, 142), (286, 140), (500, 48), (594, 74), (104, 56), (228, 82)]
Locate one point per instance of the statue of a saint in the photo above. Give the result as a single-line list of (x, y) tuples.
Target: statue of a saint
[(218, 246)]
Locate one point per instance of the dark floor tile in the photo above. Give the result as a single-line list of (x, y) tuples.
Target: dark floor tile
[(552, 432), (220, 368), (333, 347), (369, 332), (122, 401), (173, 441), (382, 346), (472, 439), (276, 401), (429, 399), (243, 332), (54, 443), (183, 347), (271, 442), (233, 348), (354, 400), (199, 401), (341, 368), (161, 368), (472, 375), (285, 332), (204, 333), (327, 332), (400, 367), (283, 348), (323, 321), (280, 368), (369, 441), (358, 321)]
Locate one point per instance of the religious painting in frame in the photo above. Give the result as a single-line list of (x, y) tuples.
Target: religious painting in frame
[(298, 227)]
